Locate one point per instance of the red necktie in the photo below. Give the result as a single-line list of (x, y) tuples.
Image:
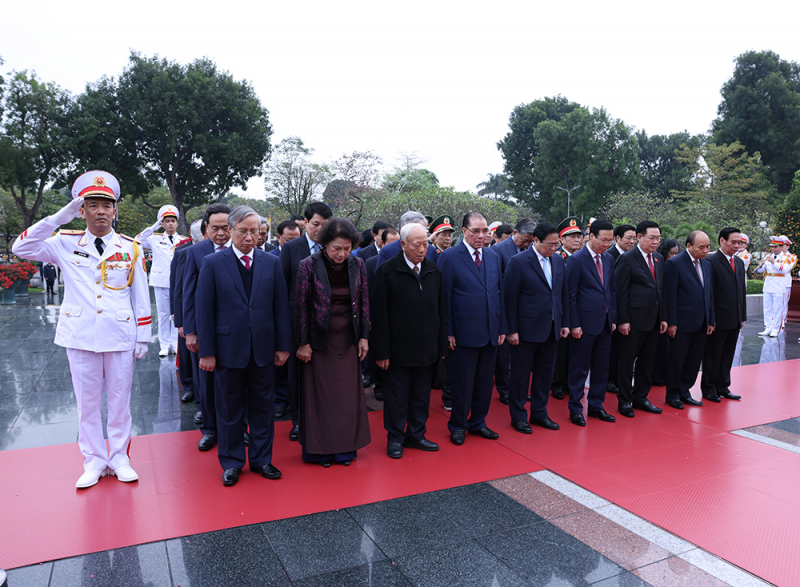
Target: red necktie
[(599, 268), (652, 268), (733, 266), (246, 260), (477, 258)]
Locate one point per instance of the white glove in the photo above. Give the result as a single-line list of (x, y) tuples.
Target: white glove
[(156, 226), (140, 351), (68, 212)]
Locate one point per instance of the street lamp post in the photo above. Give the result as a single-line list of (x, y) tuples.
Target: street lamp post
[(569, 196)]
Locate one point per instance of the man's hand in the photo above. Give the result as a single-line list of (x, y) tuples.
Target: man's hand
[(304, 353), (68, 212), (742, 326), (140, 351), (191, 343), (281, 357), (564, 332), (180, 332), (383, 364), (208, 363), (672, 331), (710, 329), (577, 332), (513, 338), (662, 328), (363, 348), (625, 329), (451, 341), (613, 327), (156, 226), (501, 339)]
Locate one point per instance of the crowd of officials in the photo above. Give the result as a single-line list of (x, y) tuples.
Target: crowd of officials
[(302, 324)]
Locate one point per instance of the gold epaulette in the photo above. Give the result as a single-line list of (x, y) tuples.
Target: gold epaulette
[(130, 239), (69, 232)]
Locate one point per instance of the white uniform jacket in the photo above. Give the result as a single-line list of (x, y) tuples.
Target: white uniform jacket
[(777, 274), (92, 316), (163, 250)]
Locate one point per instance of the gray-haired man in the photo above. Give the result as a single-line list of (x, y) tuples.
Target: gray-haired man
[(392, 249)]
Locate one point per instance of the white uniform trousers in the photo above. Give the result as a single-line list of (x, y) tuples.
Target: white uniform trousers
[(773, 310), (89, 369), (786, 305), (167, 333)]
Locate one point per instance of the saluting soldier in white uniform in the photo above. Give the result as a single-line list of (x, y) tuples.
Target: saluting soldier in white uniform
[(746, 258), (163, 247), (104, 320), (776, 265), (791, 261)]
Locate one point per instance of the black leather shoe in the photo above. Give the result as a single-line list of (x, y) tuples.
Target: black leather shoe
[(295, 432), (611, 388), (267, 471), (729, 395), (230, 477), (422, 444), (368, 381), (198, 419), (675, 403), (545, 423), (457, 437), (247, 439), (601, 415), (394, 450), (187, 397), (378, 394), (326, 464), (690, 401), (207, 442), (557, 393), (625, 409), (504, 399), (577, 419), (712, 398), (646, 406), (278, 410), (485, 433), (521, 426)]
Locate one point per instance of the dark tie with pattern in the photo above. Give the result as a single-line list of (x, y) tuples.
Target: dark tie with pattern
[(246, 260), (477, 258), (98, 242)]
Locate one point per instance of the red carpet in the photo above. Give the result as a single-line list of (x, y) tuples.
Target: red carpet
[(180, 489)]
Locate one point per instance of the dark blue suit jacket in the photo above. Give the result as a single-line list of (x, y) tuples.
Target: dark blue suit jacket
[(505, 250), (532, 307), (276, 251), (473, 305), (191, 270), (689, 304), (176, 285), (592, 303), (390, 252), (230, 325)]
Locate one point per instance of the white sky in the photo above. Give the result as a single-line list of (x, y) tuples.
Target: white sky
[(439, 78)]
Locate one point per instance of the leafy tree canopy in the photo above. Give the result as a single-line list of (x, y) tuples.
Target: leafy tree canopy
[(661, 172), (293, 178)]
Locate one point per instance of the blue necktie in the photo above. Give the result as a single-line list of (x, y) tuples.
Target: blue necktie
[(546, 269)]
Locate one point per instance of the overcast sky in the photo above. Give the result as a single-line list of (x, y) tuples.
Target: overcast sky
[(438, 78)]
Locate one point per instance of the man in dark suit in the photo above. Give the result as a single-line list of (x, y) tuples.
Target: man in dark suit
[(391, 250), (185, 368), (689, 295), (521, 238), (592, 317), (639, 276), (728, 283), (287, 231), (372, 250), (316, 213), (263, 235), (218, 237), (243, 330), (476, 324), (407, 311), (536, 304), (50, 275), (624, 241)]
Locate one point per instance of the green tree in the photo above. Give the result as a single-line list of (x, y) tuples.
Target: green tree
[(661, 172), (496, 188), (33, 144), (355, 188), (409, 180), (136, 214), (788, 221), (292, 177), (190, 127), (760, 108), (12, 223)]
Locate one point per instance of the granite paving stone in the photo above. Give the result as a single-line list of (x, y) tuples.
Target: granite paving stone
[(56, 414), (8, 417), (380, 574), (676, 572), (44, 435), (32, 576), (538, 497), (145, 564), (625, 579)]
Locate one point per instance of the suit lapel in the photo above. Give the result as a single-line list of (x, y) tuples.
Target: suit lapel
[(258, 269), (537, 268), (593, 267), (470, 262), (692, 269), (230, 261), (643, 265)]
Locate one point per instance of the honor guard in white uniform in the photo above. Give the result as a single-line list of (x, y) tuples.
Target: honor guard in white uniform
[(775, 266), (163, 247), (104, 321), (791, 261), (743, 253)]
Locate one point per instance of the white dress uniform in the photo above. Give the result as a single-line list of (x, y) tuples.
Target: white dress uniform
[(791, 261), (775, 291), (104, 314), (163, 248)]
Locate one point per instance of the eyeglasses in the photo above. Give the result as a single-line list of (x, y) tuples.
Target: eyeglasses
[(550, 245), (477, 231), (653, 239), (253, 233)]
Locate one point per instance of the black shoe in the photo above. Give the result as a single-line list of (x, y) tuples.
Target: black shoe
[(295, 432), (712, 397), (448, 405), (198, 419), (690, 401), (729, 395), (326, 464), (230, 477), (187, 397), (368, 381), (646, 406), (577, 419), (247, 439), (394, 450), (545, 423), (207, 442), (457, 437), (521, 426), (557, 393), (601, 415), (485, 433), (422, 444), (612, 388), (267, 471), (626, 409), (278, 410), (504, 399), (378, 394), (346, 463), (675, 403)]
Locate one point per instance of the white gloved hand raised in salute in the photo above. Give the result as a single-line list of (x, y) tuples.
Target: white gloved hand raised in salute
[(68, 213)]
